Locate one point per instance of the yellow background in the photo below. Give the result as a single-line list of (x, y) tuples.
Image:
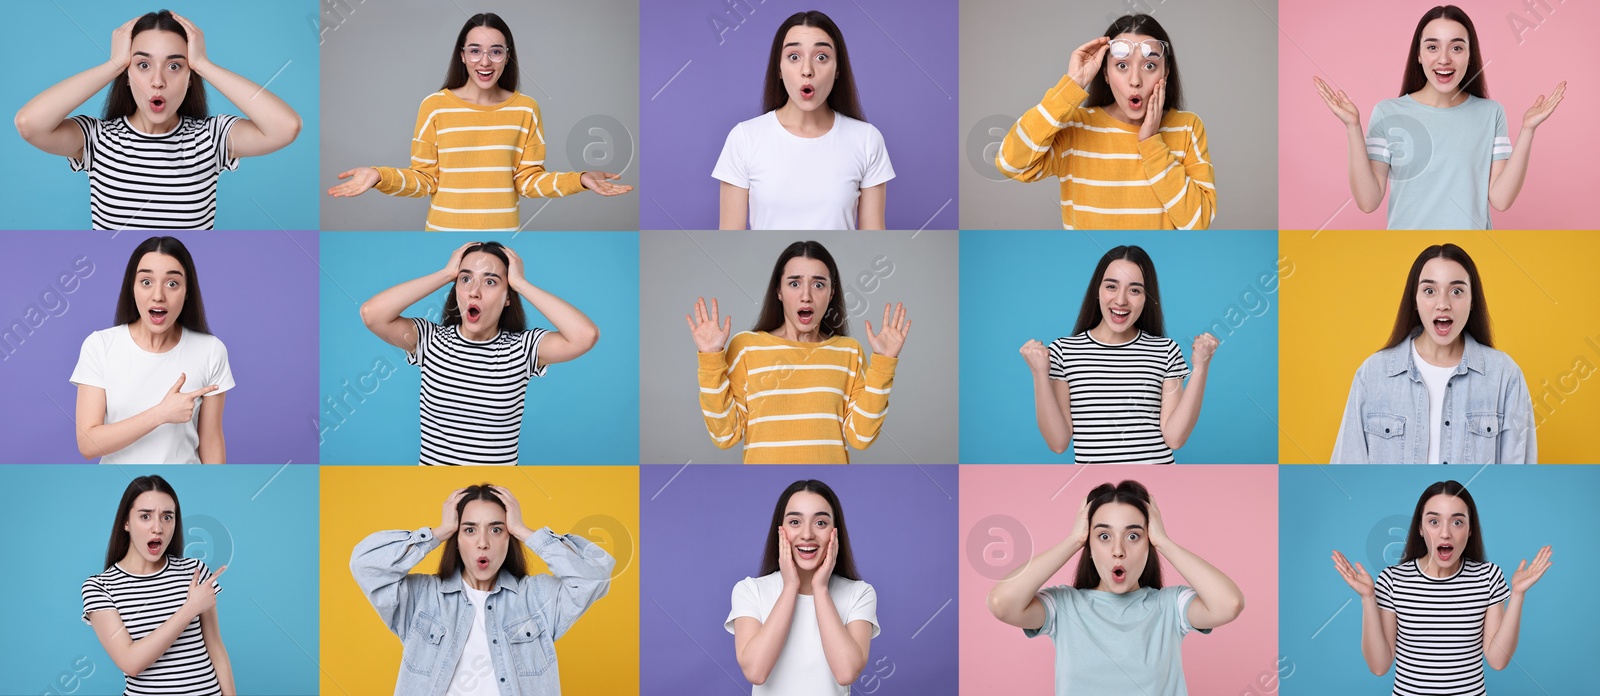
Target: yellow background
[(1338, 304), (600, 655)]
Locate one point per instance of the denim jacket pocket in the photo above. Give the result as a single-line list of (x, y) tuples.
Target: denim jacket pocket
[(1483, 437), (422, 644), (1386, 441), (532, 651)]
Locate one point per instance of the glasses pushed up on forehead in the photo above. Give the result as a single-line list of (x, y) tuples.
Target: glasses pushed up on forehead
[(1149, 48), (476, 53)]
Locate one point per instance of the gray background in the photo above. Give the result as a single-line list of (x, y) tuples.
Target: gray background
[(1013, 51), (580, 61), (734, 267)]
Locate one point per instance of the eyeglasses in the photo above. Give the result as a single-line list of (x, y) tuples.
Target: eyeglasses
[(1149, 48), (475, 54)]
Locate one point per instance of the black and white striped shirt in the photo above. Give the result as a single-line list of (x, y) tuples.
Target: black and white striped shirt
[(145, 602), (473, 393), (155, 182), (1116, 396), (1439, 642)]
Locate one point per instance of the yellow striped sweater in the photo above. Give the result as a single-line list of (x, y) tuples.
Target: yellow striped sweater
[(1110, 179), (794, 403), (475, 160)]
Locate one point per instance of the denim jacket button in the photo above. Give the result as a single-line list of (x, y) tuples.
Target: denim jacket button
[(1447, 423)]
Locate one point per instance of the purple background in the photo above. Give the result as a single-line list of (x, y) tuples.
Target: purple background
[(260, 291), (707, 529), (902, 51)]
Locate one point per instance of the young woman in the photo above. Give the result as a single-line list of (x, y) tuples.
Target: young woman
[(810, 161), (805, 624), (479, 143), (1439, 611), (1114, 388), (1128, 157), (796, 388), (154, 611), (481, 624), (476, 365), (1116, 629), (1439, 374), (1442, 144), (151, 388), (154, 155)]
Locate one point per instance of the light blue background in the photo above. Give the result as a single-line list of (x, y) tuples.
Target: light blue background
[(581, 412), (1364, 512), (260, 520), (1021, 285), (51, 41)]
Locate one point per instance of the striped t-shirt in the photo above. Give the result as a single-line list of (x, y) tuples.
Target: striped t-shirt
[(144, 602), (140, 181), (793, 402), (473, 393), (1116, 396), (475, 160), (1439, 642), (1110, 179)]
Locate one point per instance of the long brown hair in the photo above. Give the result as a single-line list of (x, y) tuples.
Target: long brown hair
[(844, 562), (117, 547), (193, 315), (1414, 79), (516, 562), (456, 75), (1417, 548), (1150, 318), (842, 98), (1130, 493), (119, 99), (834, 320), (1408, 318), (1100, 89)]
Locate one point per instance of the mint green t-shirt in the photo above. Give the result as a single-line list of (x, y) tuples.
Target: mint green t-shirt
[(1109, 643), (1438, 161)]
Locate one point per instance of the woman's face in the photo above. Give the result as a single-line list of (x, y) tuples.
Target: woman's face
[(1133, 77), (1121, 295), (1444, 300), (159, 288), (1118, 546), (150, 525), (481, 291), (482, 540), (159, 74), (482, 71), (1445, 528), (805, 289), (1443, 54), (808, 525), (806, 63)]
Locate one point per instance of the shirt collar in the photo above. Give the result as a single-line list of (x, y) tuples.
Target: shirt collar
[(502, 582), (1399, 360)]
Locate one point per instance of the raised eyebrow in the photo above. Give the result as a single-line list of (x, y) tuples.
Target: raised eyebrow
[(1131, 526), (470, 45), (175, 271), (820, 44)]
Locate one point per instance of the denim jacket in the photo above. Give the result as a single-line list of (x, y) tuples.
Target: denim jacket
[(1488, 414), (523, 618)]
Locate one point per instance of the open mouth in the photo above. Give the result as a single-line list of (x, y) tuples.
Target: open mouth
[(485, 75), (807, 91), (482, 563), (1444, 75), (805, 315), (473, 313), (1120, 316), (807, 552), (1135, 101), (158, 315), (158, 103), (154, 545), (1441, 326), (1118, 573), (1445, 551)]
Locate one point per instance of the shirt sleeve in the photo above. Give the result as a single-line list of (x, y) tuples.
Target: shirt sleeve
[(731, 164), (1058, 360), (90, 371), (1051, 598), (864, 607), (1182, 596), (1502, 141), (422, 177), (381, 565), (1028, 152), (1177, 367), (1186, 186), (744, 603), (722, 394), (868, 399), (218, 127), (530, 339), (878, 169), (531, 179), (426, 330), (1498, 590), (221, 373), (1350, 444), (1519, 441), (205, 576), (91, 136), (580, 574), (1383, 590), (1378, 137), (95, 598)]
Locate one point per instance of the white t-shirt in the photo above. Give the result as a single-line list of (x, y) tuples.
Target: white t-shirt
[(135, 380), (802, 669), (474, 675), (1436, 378), (800, 183)]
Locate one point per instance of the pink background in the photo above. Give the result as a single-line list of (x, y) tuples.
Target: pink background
[(1227, 515), (1360, 45)]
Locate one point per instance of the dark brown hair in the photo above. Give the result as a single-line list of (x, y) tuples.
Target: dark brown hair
[(119, 99), (1100, 89), (1415, 79), (1408, 318), (1130, 493), (117, 547), (1417, 548), (1150, 320), (512, 316), (193, 315), (834, 320), (842, 98), (844, 562), (516, 561), (456, 75)]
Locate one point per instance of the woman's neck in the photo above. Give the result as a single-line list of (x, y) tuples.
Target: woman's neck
[(476, 584), (139, 565), (145, 125), (1104, 333), (1448, 355), (473, 94), (1434, 570), (806, 124), (805, 580), (152, 342), (789, 332), (1429, 96)]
